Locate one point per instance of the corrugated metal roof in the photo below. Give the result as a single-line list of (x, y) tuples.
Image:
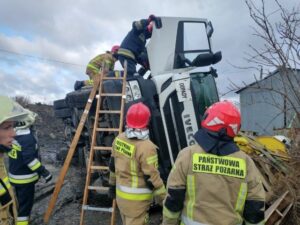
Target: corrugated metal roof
[(256, 82)]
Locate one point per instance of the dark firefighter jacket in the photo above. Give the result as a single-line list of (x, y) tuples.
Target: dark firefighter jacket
[(133, 45), (24, 163)]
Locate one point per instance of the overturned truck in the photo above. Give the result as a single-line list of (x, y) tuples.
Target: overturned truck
[(179, 88)]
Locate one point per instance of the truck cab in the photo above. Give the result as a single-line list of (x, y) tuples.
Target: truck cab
[(181, 85)]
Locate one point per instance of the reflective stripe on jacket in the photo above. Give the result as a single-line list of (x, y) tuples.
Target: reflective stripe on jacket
[(24, 163), (95, 65), (216, 187), (7, 186), (136, 163)]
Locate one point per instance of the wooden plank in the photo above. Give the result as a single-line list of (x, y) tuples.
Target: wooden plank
[(70, 154), (110, 111), (274, 213)]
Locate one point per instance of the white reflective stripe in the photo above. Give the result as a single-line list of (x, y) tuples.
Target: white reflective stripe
[(22, 131), (260, 223), (134, 190), (33, 162), (21, 177), (23, 218), (188, 221)]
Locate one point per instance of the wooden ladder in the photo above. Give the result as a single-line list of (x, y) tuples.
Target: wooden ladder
[(71, 152), (91, 167)]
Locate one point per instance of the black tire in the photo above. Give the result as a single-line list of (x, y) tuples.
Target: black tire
[(78, 99), (60, 104), (63, 113)]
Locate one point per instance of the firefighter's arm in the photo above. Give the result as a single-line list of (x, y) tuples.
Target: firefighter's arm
[(139, 26), (112, 176), (255, 202), (29, 150), (176, 188), (149, 166)]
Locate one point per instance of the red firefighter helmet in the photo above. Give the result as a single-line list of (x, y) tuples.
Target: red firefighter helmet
[(222, 115), (138, 116), (114, 49)]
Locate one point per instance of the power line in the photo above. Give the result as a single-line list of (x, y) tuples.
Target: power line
[(39, 58)]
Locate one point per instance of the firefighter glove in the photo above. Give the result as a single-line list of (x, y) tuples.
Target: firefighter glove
[(46, 175), (78, 85), (6, 198), (151, 18), (112, 192)]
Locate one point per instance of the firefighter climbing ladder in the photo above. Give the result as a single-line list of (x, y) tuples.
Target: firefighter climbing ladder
[(91, 167), (94, 147)]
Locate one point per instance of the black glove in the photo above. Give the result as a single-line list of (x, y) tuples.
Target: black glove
[(151, 18), (46, 175), (78, 84), (5, 198), (112, 192)]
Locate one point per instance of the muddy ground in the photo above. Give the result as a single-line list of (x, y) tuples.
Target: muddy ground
[(53, 149)]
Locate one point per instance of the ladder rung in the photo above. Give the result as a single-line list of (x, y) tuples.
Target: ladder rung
[(112, 78), (110, 111), (99, 167), (112, 94), (105, 148), (99, 209), (98, 188), (107, 129)]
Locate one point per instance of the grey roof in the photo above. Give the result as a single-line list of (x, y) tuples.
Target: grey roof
[(258, 81)]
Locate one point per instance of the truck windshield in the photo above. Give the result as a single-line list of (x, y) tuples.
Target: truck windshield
[(204, 91)]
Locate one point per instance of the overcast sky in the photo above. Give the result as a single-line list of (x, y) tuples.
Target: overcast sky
[(45, 45)]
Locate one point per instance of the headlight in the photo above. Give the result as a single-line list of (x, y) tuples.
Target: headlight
[(129, 97), (135, 89)]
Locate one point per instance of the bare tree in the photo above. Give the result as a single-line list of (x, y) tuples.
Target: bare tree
[(280, 47)]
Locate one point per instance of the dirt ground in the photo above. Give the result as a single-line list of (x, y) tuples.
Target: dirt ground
[(53, 149)]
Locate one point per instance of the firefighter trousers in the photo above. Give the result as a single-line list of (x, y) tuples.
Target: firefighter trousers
[(131, 65), (143, 219), (25, 197)]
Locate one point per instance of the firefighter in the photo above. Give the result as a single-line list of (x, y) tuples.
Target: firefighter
[(213, 182), (101, 63), (134, 176), (25, 168), (10, 112), (133, 48)]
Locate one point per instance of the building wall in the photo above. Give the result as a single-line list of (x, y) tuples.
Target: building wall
[(263, 109)]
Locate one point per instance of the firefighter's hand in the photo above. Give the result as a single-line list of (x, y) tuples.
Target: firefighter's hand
[(46, 175), (78, 85), (151, 18), (6, 198), (112, 192)]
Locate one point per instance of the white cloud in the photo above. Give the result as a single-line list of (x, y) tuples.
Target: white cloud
[(74, 32)]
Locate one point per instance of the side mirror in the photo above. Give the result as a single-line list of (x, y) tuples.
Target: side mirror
[(209, 29), (207, 59), (217, 57)]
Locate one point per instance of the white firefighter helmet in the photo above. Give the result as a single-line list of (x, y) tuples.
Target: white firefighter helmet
[(27, 121), (11, 110), (284, 140)]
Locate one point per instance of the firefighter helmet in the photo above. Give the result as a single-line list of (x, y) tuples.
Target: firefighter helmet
[(114, 49), (10, 110), (222, 116), (27, 121), (138, 116)]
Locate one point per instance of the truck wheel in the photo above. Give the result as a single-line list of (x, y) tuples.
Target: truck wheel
[(60, 104), (63, 113), (78, 99)]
